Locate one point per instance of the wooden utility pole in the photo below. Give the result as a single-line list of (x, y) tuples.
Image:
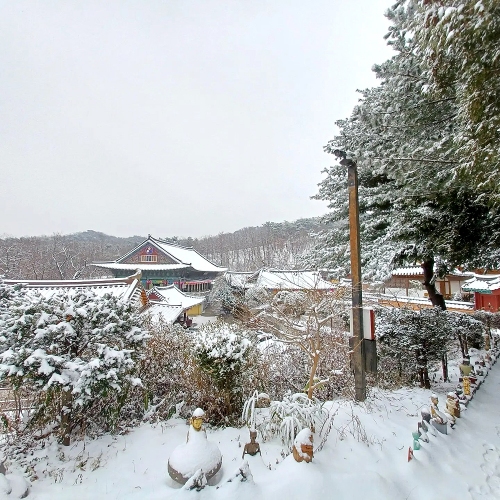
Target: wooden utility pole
[(357, 342)]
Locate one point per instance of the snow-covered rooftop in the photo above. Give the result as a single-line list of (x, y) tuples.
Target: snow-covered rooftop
[(162, 311), (186, 256), (238, 279), (275, 279), (483, 283), (407, 271), (124, 288), (142, 267), (173, 296)]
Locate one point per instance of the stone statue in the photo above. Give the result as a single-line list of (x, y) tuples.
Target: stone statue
[(438, 419), (452, 404), (465, 368), (197, 453), (252, 448)]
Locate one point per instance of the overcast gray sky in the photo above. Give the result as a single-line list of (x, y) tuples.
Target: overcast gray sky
[(174, 117)]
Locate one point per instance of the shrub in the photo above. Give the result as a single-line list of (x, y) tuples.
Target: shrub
[(73, 350), (222, 352)]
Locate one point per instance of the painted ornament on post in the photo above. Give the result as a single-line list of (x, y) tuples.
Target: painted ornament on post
[(195, 454), (303, 446)]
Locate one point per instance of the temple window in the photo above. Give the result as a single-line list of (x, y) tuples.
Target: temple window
[(149, 258)]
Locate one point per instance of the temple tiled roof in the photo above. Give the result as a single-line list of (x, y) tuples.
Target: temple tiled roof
[(172, 295), (183, 257), (141, 266), (275, 279), (124, 288), (486, 283)]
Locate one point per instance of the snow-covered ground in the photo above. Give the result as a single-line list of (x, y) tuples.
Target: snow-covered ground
[(365, 457)]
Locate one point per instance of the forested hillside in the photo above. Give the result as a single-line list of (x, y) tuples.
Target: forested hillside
[(68, 256), (279, 245)]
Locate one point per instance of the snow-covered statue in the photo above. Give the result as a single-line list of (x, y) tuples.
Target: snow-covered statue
[(452, 405), (195, 454), (438, 419), (466, 370), (303, 446)]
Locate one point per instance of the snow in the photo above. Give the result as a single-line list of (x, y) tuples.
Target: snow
[(274, 279), (365, 457)]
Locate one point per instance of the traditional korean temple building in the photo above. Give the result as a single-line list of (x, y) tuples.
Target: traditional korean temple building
[(407, 281), (127, 288), (486, 289), (163, 263)]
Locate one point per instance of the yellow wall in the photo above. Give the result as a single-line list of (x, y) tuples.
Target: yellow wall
[(195, 310)]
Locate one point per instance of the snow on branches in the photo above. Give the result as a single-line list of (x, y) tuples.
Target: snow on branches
[(74, 345)]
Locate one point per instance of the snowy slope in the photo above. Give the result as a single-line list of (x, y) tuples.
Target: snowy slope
[(358, 461)]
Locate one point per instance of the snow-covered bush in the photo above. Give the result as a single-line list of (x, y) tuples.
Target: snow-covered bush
[(223, 297), (469, 330), (410, 340), (321, 324), (74, 349), (256, 296), (286, 418), (293, 302), (165, 370), (223, 352)]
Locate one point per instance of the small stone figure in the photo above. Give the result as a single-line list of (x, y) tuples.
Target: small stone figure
[(423, 432), (465, 367), (197, 455), (303, 446), (452, 404), (423, 426), (252, 448), (426, 415), (438, 419), (263, 401), (466, 382)]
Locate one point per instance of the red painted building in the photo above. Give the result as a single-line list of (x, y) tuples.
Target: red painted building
[(486, 289)]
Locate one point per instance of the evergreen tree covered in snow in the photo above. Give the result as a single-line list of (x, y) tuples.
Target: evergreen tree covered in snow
[(73, 347), (459, 42), (223, 296), (414, 339), (221, 351), (415, 203)]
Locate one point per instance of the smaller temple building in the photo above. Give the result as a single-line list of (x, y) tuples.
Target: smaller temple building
[(275, 280), (127, 288), (164, 263), (486, 289), (407, 282)]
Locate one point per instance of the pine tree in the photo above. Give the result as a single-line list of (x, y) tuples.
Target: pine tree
[(415, 206), (75, 347)]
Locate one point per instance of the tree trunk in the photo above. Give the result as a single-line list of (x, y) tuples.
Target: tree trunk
[(444, 364), (434, 296), (437, 300), (423, 372), (312, 374), (463, 345), (67, 401)]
